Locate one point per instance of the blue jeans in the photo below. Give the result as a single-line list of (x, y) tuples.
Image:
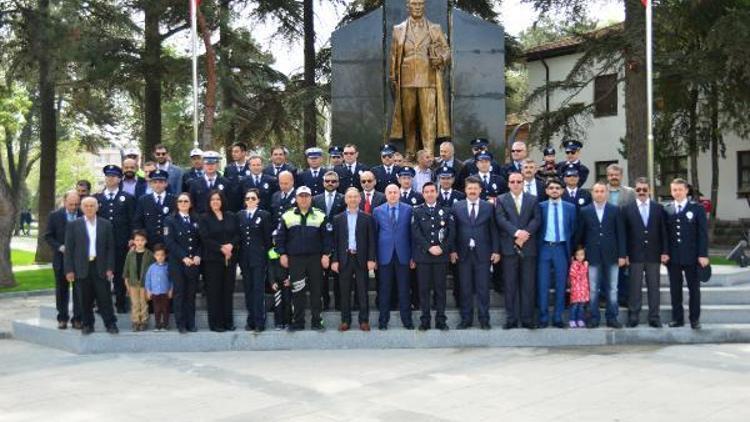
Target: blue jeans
[(603, 277), (555, 256), (576, 311)]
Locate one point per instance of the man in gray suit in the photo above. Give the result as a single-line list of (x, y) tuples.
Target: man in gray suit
[(90, 261), (517, 217), (163, 162), (619, 194)]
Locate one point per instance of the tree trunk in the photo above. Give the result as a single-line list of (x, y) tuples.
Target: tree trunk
[(310, 111), (715, 151), (692, 139), (210, 104), (227, 99), (8, 218), (152, 77), (47, 130), (636, 136)]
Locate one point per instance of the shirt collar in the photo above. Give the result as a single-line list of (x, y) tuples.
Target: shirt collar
[(681, 204), (111, 192), (600, 206), (647, 202)]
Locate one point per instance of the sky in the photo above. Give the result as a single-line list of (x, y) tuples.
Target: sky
[(514, 15)]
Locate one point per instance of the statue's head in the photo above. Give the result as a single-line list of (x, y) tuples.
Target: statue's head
[(415, 8)]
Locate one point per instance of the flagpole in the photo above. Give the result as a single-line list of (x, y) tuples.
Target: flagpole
[(194, 42), (650, 94)]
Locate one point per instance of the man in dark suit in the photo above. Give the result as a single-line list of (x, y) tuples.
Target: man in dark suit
[(211, 180), (331, 202), (153, 208), (601, 231), (572, 153), (647, 249), (688, 250), (393, 227), (572, 193), (350, 170), (477, 247), (313, 176), (353, 256), (518, 154), (408, 195), (279, 163), (517, 218), (386, 173), (55, 238), (284, 198), (447, 159), (90, 261), (370, 198), (235, 170), (556, 234), (256, 179), (532, 184), (119, 209), (196, 170), (433, 233)]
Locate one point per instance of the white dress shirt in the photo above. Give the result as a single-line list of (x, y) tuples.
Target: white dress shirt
[(91, 230)]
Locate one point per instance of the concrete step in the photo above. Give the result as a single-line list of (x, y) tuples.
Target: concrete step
[(713, 314), (44, 332)]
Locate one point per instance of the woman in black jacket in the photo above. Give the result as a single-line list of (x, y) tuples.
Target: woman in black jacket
[(219, 234), (184, 246)]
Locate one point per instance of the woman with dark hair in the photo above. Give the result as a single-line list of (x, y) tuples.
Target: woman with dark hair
[(220, 235), (184, 246), (255, 241)]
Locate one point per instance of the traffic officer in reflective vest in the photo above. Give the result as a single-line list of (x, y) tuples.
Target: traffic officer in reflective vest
[(303, 239), (432, 240), (118, 208)]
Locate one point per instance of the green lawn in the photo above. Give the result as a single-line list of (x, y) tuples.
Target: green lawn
[(720, 260), (32, 280), (18, 257)]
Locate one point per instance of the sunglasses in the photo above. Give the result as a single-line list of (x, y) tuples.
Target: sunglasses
[(367, 180), (348, 153), (570, 152), (160, 154), (330, 181), (641, 190), (250, 198)]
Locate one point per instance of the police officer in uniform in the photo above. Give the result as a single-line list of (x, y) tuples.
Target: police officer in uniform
[(185, 252), (118, 208), (493, 185), (387, 172), (284, 198), (408, 195), (433, 237), (573, 152), (256, 179), (233, 172), (151, 209), (335, 153), (688, 249), (313, 176), (196, 171), (199, 188), (548, 167), (470, 166), (573, 193), (303, 239)]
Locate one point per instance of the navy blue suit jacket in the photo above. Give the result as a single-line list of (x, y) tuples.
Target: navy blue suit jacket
[(482, 230), (604, 242)]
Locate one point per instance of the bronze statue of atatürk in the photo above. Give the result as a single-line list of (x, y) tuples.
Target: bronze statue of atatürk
[(419, 53)]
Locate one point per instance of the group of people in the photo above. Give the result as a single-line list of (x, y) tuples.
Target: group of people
[(160, 238)]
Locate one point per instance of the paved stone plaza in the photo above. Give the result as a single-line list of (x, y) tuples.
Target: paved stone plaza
[(680, 383)]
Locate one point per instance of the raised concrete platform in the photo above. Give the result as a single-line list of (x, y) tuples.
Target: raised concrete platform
[(44, 332)]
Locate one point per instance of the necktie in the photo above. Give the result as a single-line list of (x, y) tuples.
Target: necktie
[(283, 196), (257, 180), (473, 213), (644, 214), (199, 173), (210, 183), (518, 204), (446, 196), (315, 174), (329, 203), (158, 200), (111, 196), (403, 194), (368, 205), (679, 209), (351, 168), (249, 216), (557, 221), (393, 215), (388, 171), (486, 180), (528, 187), (186, 219), (276, 171)]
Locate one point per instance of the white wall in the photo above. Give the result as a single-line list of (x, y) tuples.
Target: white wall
[(602, 138)]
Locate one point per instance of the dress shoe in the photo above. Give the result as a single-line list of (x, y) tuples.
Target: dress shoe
[(218, 330), (62, 325), (230, 328), (192, 329), (530, 326), (77, 325), (317, 326), (592, 324), (364, 326), (113, 329), (558, 324), (382, 326), (259, 329), (87, 330), (654, 324), (543, 324), (510, 325), (249, 327), (182, 330), (614, 324), (409, 326), (633, 324), (424, 327), (343, 327), (485, 325), (675, 324), (463, 325), (441, 326), (695, 325)]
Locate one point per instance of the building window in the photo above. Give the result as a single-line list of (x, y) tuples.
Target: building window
[(605, 95), (600, 169), (674, 167), (743, 171)]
